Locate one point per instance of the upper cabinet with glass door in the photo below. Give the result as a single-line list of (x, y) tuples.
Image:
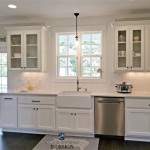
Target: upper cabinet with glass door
[(27, 48), (129, 48)]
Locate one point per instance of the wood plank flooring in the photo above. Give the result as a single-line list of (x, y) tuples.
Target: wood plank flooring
[(21, 141)]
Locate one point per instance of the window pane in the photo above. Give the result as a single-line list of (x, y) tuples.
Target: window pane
[(62, 72), (96, 49), (86, 72), (71, 43), (4, 58), (86, 62), (3, 71), (86, 49), (94, 72), (96, 38), (72, 71), (62, 62), (63, 50), (96, 61), (86, 39), (62, 40)]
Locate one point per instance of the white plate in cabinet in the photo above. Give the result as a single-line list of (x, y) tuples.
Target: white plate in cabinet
[(9, 111)]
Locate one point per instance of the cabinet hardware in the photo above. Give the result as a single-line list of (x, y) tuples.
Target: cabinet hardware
[(127, 67), (75, 114), (33, 108), (35, 101), (36, 108), (21, 67), (149, 104), (71, 113), (130, 67), (8, 98)]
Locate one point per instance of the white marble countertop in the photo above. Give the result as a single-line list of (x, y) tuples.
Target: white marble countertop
[(55, 92)]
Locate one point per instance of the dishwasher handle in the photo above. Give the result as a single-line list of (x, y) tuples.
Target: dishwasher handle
[(110, 101)]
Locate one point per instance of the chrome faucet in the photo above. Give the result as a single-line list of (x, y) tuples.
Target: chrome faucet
[(78, 88)]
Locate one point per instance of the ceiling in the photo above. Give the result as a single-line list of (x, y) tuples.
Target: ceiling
[(49, 9)]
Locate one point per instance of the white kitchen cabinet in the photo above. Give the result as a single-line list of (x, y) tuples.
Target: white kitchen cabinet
[(137, 117), (26, 48), (36, 112), (129, 48), (8, 111), (74, 120)]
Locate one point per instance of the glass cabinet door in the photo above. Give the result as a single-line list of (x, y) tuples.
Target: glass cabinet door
[(16, 51), (136, 48), (31, 51), (121, 49)]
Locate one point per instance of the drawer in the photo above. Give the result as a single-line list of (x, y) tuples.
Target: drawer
[(36, 100), (9, 97), (137, 103)]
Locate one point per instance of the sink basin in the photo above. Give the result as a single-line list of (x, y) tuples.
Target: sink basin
[(74, 99)]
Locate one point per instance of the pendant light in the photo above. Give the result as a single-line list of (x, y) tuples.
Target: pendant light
[(76, 37)]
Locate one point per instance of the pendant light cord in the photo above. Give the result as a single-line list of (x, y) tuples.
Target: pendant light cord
[(76, 14)]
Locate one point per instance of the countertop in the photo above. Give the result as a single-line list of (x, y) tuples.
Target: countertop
[(55, 92)]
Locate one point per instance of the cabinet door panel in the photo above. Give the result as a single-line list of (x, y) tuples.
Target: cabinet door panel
[(83, 121), (45, 117), (26, 116), (9, 111), (64, 120), (32, 49), (138, 122)]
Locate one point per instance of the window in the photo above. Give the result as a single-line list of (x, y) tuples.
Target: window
[(83, 61), (3, 71)]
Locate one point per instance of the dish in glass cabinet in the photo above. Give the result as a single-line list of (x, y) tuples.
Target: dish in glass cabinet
[(136, 38), (121, 38)]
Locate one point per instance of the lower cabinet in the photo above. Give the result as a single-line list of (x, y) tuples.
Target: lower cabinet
[(74, 120), (36, 114), (137, 117), (8, 111)]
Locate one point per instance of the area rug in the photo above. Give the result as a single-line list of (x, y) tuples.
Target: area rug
[(69, 143)]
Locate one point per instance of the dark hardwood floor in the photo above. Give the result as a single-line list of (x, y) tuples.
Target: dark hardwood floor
[(21, 141)]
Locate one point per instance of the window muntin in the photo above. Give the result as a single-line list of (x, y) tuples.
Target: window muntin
[(84, 60), (3, 71)]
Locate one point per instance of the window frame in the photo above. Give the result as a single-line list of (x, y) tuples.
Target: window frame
[(81, 29)]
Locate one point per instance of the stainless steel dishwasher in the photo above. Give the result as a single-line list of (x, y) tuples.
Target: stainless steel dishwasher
[(109, 116)]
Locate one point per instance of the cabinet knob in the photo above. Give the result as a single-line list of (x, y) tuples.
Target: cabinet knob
[(33, 108), (75, 114), (149, 104), (21, 67), (127, 67), (71, 113), (130, 67), (36, 108)]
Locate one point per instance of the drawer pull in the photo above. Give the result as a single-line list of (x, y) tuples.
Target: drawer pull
[(9, 98), (149, 104), (35, 101)]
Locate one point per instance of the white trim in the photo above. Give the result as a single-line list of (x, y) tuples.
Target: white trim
[(71, 29)]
